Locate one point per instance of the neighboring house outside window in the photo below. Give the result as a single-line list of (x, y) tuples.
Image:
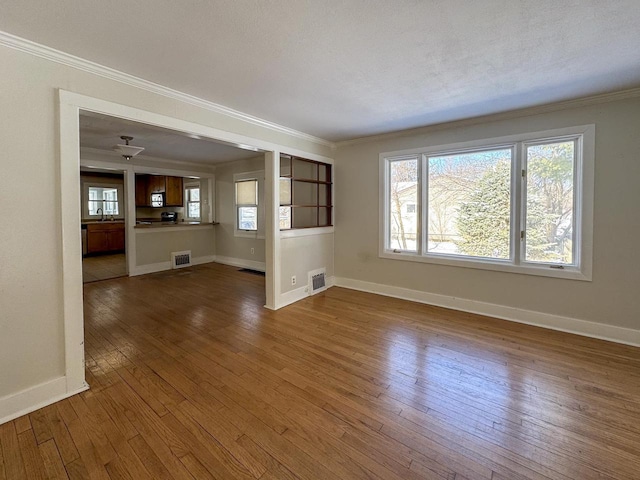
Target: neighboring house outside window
[(513, 204)]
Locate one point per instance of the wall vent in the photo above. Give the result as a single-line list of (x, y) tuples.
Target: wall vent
[(181, 259), (317, 281)]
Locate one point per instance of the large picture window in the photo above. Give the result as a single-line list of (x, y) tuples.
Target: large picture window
[(515, 204)]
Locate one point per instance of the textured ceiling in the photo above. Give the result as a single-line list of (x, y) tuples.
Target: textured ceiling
[(340, 69), (103, 132)]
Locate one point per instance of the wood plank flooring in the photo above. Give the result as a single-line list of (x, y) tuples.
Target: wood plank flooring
[(192, 378)]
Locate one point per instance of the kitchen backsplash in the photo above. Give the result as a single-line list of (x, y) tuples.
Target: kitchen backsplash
[(153, 213)]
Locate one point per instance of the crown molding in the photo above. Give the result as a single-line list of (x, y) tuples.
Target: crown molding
[(48, 53), (522, 112)]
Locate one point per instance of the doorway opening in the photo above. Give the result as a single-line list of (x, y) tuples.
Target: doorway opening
[(72, 107), (103, 216)]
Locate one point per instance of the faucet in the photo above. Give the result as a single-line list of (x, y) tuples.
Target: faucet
[(101, 213)]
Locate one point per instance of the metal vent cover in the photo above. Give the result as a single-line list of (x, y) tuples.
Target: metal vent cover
[(181, 259), (317, 281)]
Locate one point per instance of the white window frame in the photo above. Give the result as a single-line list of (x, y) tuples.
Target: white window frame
[(260, 232), (85, 199), (187, 187), (583, 198)]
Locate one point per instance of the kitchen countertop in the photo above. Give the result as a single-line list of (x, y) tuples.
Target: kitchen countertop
[(172, 224), (87, 222)]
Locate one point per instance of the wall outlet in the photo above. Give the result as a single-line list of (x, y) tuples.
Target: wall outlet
[(293, 279), (253, 250)]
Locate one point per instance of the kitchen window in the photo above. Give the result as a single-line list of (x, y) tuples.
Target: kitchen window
[(192, 195), (102, 200), (520, 204)]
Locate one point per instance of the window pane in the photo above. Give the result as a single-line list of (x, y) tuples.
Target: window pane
[(247, 218), (94, 205), (110, 194), (157, 200), (469, 204), (285, 218), (247, 192), (194, 194), (403, 190), (285, 191), (549, 218), (111, 208), (193, 209)]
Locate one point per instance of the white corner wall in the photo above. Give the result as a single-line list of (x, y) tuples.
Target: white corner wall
[(232, 249), (302, 253), (607, 307)]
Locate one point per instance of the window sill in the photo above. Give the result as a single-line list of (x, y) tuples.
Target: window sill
[(245, 234), (571, 273)]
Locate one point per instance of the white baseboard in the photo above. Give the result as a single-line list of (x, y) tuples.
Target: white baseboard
[(150, 268), (585, 328), (241, 262), (292, 296), (202, 260), (20, 403), (162, 266)]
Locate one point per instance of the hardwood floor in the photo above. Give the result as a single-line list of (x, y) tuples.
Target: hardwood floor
[(191, 377)]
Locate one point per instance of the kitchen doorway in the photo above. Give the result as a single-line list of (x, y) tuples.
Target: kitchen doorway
[(103, 212)]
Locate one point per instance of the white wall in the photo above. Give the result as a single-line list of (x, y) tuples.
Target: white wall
[(31, 307), (301, 254), (230, 247), (154, 246), (611, 298)]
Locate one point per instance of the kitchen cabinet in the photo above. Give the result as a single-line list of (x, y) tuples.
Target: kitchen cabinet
[(174, 192), (105, 237), (170, 187), (143, 196)]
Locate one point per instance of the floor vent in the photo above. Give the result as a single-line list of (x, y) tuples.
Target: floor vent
[(181, 259), (317, 282)]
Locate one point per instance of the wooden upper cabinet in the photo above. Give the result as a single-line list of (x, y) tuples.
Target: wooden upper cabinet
[(157, 184), (172, 187), (174, 193), (143, 198)]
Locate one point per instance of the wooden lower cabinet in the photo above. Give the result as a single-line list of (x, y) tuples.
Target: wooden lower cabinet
[(105, 237)]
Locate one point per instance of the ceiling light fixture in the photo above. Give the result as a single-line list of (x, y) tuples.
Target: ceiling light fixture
[(127, 151)]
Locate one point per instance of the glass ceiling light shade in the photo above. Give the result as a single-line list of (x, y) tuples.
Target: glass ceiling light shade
[(127, 151)]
